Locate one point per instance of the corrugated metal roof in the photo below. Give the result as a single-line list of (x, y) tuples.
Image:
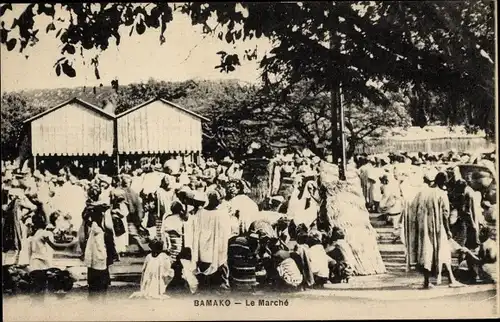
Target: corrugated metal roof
[(166, 102), (73, 100)]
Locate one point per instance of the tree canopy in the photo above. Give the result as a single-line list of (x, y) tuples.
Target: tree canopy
[(372, 48)]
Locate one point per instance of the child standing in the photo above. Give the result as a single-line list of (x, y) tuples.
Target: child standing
[(156, 273)]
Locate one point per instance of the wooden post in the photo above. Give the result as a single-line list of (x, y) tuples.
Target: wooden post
[(336, 98), (117, 163), (343, 161), (34, 163), (333, 87)]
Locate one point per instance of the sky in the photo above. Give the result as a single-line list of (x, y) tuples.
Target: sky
[(187, 54)]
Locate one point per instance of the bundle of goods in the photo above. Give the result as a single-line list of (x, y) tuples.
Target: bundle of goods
[(59, 280), (343, 206), (64, 236), (21, 281), (62, 228), (16, 280)]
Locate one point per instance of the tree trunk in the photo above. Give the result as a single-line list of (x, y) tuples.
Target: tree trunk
[(257, 172)]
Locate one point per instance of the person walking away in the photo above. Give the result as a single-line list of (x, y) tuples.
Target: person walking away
[(434, 249), (157, 273), (412, 189), (391, 203), (177, 234)]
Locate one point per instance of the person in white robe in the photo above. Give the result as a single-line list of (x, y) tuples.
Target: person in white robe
[(240, 205), (214, 233), (303, 206), (157, 273), (391, 203)]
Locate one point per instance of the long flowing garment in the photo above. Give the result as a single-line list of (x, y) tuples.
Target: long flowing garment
[(302, 209), (433, 249), (363, 175), (343, 206), (156, 275), (469, 217), (15, 232), (411, 197), (214, 233)]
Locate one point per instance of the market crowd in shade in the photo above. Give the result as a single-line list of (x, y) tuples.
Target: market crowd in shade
[(199, 226)]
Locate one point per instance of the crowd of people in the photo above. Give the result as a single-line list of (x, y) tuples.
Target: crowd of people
[(199, 230), (436, 212)]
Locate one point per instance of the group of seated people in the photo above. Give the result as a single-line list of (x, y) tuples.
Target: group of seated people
[(198, 223)]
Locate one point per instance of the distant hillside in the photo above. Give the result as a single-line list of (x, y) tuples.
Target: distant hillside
[(199, 94)]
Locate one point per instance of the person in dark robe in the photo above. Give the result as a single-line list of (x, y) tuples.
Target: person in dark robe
[(135, 215), (465, 230)]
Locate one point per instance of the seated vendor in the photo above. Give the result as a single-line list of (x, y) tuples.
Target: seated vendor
[(483, 264), (321, 263)]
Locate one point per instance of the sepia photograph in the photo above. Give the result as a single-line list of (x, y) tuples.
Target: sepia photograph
[(190, 161)]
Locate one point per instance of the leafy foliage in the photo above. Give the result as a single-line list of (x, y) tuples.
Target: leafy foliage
[(438, 54), (14, 110), (303, 118)]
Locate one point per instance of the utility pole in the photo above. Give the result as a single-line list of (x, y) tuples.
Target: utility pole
[(343, 161), (337, 104), (333, 82)]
